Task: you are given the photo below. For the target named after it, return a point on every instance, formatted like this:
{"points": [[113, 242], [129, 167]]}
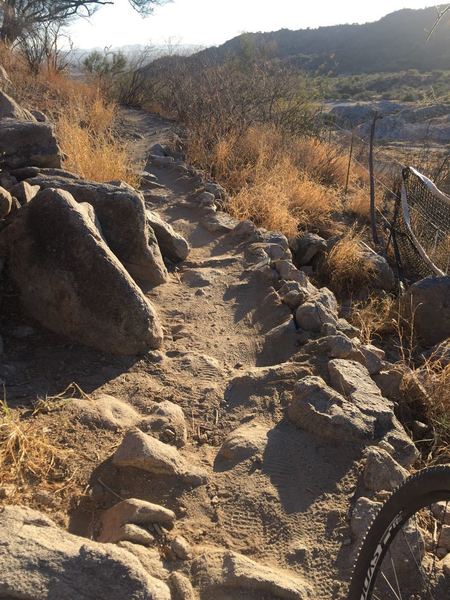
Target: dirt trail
{"points": [[286, 507], [290, 508]]}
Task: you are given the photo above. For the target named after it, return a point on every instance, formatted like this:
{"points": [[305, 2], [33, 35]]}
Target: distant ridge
{"points": [[397, 42]]}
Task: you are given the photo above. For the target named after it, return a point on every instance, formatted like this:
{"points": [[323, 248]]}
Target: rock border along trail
{"points": [[246, 493]]}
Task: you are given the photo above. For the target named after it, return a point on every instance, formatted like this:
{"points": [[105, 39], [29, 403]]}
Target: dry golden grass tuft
{"points": [[27, 456], [347, 268], [84, 119], [376, 317]]}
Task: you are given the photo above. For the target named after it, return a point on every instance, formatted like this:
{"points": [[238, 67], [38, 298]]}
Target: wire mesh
{"points": [[422, 226]]}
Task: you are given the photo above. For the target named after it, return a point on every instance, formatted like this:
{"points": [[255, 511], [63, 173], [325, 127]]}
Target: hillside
{"points": [[396, 42]]}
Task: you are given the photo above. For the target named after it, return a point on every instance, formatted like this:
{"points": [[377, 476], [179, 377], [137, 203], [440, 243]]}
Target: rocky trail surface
{"points": [[248, 491]]}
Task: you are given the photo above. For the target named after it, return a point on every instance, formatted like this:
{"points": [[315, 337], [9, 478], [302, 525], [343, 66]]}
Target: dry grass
{"points": [[84, 120], [279, 183], [376, 317], [347, 268], [27, 455]]}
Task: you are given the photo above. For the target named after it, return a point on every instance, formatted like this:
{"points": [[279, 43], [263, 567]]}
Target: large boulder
{"points": [[28, 143], [121, 213], [428, 303], [10, 109], [71, 282], [40, 561]]}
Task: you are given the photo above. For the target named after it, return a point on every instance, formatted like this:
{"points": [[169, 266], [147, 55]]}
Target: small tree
{"points": [[19, 16], [42, 45]]}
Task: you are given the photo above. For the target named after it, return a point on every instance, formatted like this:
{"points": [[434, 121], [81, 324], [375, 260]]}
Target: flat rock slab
{"points": [[353, 380], [218, 569], [40, 561], [144, 452], [319, 409], [219, 222], [105, 412]]}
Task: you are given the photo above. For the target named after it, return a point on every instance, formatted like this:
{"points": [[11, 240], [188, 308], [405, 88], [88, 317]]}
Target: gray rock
{"points": [[383, 275], [219, 222], [172, 244], [28, 143], [293, 294], [121, 212], [5, 203], [306, 247], [43, 562], [353, 380], [149, 454], [363, 513], [389, 381], [132, 512], [166, 421], [71, 282], [429, 301], [312, 315], [10, 109], [219, 569], [373, 358], [317, 408], [382, 472], [245, 230], [405, 452], [24, 192]]}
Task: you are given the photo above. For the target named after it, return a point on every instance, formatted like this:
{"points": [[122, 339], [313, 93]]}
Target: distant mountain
{"points": [[397, 42]]}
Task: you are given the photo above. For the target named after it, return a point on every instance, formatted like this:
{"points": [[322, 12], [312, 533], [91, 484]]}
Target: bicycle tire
{"points": [[419, 491]]}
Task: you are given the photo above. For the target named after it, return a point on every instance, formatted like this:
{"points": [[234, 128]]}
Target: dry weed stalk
{"points": [[376, 317]]}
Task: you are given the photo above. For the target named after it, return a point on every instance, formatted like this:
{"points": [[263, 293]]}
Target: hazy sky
{"points": [[211, 22]]}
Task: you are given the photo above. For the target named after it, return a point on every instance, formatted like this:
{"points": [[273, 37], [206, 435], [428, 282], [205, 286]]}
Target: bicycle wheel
{"points": [[399, 557]]}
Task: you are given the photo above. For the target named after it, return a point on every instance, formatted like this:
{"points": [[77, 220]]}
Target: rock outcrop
{"points": [[42, 562], [71, 282], [121, 213], [427, 302]]}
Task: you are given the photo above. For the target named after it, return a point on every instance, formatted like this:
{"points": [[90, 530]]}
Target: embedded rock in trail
{"points": [[382, 472], [181, 587], [149, 454], [5, 203], [317, 408], [363, 514], [244, 442], [132, 512], [26, 143], [218, 570], [353, 380], [405, 452], [9, 108], [429, 301], [172, 244], [260, 386], [72, 283], [166, 421], [40, 561], [105, 412], [219, 222], [121, 213]]}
